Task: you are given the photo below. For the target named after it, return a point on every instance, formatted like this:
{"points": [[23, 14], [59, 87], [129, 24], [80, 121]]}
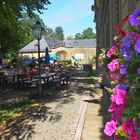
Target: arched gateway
{"points": [[62, 55]]}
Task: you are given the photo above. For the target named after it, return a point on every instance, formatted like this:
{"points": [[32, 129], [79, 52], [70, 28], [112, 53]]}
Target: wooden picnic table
{"points": [[46, 76], [64, 76], [8, 78]]}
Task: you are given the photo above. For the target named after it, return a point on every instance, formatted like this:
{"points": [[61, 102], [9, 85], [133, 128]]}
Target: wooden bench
{"points": [[31, 82], [64, 80], [56, 83]]}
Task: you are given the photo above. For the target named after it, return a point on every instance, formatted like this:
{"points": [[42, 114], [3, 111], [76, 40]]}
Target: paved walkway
{"points": [[61, 116], [96, 115]]}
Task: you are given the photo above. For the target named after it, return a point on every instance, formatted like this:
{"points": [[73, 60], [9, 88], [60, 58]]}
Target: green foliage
{"points": [[78, 36], [138, 132], [120, 132], [133, 80], [65, 62], [91, 80], [12, 57], [132, 69], [15, 29], [90, 73], [18, 35], [133, 98], [93, 60], [91, 77], [8, 111], [86, 34], [59, 33], [19, 6], [49, 31]]}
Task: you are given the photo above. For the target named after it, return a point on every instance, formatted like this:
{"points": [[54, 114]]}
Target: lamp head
{"points": [[37, 29]]}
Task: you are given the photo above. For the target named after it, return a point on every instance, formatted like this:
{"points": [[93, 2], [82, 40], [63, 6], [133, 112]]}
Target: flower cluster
{"points": [[101, 58], [124, 69]]}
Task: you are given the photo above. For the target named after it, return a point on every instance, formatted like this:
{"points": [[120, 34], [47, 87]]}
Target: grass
{"points": [[8, 111], [91, 77]]}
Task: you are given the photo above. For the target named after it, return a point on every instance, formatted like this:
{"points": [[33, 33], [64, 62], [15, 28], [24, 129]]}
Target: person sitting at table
{"points": [[33, 63], [31, 72]]}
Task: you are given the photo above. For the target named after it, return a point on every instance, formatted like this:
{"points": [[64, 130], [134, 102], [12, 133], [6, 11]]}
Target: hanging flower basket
{"points": [[122, 65]]}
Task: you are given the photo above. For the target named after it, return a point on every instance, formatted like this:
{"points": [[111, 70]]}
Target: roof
{"points": [[33, 46], [45, 41], [50, 42], [53, 42], [82, 43]]}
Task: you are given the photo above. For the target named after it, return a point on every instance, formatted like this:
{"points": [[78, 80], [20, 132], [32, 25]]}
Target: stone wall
{"points": [[86, 53], [107, 14]]}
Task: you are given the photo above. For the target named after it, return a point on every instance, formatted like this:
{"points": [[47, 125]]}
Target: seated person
{"points": [[33, 63]]}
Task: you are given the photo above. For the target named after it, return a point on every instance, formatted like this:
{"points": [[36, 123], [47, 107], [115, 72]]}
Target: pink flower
{"points": [[127, 127], [116, 38], [110, 128], [113, 65], [111, 51], [137, 36], [118, 96], [116, 138], [114, 108], [134, 136]]}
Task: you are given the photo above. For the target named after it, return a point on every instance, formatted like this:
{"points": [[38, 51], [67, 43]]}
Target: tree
{"points": [[18, 6], [59, 33], [78, 36], [18, 34], [13, 29], [49, 31], [88, 34], [70, 37]]}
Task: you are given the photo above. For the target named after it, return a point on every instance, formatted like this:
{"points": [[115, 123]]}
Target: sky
{"points": [[72, 15]]}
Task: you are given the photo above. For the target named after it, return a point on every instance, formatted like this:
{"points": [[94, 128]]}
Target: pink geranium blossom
{"points": [[116, 138], [116, 38], [127, 127], [114, 108], [111, 51], [110, 128], [113, 65], [118, 96], [134, 136]]}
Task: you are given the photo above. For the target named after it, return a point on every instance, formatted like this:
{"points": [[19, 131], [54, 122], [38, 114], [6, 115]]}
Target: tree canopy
{"points": [[59, 33], [49, 31], [86, 34], [14, 25], [78, 36], [18, 6]]}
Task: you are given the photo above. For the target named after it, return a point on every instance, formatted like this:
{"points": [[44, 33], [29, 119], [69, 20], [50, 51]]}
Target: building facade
{"points": [[107, 14], [84, 49]]}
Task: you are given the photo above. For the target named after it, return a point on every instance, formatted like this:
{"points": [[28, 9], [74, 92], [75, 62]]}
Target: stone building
{"points": [[107, 14], [84, 49]]}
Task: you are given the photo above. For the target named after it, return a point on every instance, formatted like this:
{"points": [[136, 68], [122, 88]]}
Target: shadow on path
{"points": [[22, 127]]}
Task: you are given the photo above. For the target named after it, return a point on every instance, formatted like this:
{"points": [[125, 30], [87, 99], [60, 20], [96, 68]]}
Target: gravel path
{"points": [[58, 118]]}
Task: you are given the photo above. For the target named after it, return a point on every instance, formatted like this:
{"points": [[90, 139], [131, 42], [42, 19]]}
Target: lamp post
{"points": [[37, 29]]}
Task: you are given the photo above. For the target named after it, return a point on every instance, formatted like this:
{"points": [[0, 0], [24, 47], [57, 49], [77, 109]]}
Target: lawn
{"points": [[11, 110]]}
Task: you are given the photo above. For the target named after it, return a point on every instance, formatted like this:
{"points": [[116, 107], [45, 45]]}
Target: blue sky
{"points": [[72, 15]]}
